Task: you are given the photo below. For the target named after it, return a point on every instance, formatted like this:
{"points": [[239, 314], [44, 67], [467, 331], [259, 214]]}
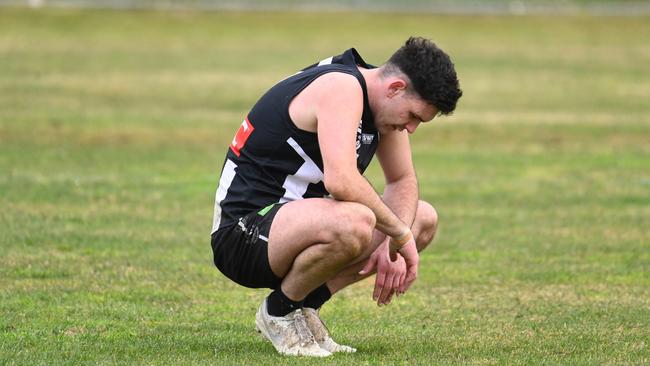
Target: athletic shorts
{"points": [[241, 250]]}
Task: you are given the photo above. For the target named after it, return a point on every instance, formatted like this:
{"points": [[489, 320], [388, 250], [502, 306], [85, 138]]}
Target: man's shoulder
{"points": [[337, 80], [329, 94], [336, 91]]}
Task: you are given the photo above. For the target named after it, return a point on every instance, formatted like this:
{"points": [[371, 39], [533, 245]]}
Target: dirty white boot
{"points": [[289, 334], [322, 334]]}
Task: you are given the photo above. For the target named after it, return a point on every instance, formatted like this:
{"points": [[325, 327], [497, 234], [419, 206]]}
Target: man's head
{"points": [[420, 83], [430, 71]]}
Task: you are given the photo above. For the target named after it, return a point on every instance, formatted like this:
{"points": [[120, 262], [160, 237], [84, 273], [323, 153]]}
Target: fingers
{"points": [[392, 281], [394, 289], [390, 296], [392, 274], [379, 285], [386, 290], [390, 288], [411, 275], [401, 288]]}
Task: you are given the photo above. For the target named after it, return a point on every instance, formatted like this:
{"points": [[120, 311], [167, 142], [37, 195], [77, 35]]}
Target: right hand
{"points": [[410, 253], [391, 271]]}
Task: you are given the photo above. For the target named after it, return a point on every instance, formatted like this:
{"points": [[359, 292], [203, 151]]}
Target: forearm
{"points": [[402, 198]]}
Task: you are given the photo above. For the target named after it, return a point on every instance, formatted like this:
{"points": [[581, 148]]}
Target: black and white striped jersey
{"points": [[271, 161]]}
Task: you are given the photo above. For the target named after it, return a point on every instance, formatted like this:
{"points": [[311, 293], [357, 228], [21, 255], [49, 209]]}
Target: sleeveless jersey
{"points": [[270, 160]]}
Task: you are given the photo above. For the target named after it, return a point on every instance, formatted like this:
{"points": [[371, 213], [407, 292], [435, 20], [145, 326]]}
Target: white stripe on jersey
{"points": [[326, 61], [227, 177], [296, 185]]}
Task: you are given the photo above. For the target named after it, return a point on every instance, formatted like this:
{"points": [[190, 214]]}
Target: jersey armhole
{"points": [[290, 122]]}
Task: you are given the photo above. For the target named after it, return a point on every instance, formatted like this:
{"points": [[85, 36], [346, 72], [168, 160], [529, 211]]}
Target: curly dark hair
{"points": [[431, 72]]}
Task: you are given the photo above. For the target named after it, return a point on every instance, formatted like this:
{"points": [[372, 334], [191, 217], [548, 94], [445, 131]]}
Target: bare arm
{"points": [[401, 191], [401, 195], [338, 111]]}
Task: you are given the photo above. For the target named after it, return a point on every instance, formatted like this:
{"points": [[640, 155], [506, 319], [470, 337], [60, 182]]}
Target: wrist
{"points": [[398, 242]]}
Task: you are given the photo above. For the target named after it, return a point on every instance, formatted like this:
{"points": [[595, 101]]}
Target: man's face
{"points": [[403, 111]]}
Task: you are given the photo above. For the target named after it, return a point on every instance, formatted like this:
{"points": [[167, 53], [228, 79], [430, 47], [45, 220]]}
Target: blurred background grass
{"points": [[480, 7], [113, 126]]}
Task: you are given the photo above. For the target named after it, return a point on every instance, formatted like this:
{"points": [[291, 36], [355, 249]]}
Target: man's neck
{"points": [[373, 84]]}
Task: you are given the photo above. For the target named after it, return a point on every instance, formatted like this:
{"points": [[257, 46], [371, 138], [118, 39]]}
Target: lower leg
{"points": [[312, 268], [318, 297], [309, 271]]}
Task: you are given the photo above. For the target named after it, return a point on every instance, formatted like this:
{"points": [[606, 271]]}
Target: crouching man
{"points": [[294, 213]]}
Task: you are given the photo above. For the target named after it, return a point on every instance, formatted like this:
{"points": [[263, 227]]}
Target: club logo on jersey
{"points": [[359, 133], [367, 138], [242, 135]]}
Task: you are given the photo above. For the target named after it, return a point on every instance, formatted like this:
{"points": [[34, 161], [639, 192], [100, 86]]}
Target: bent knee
{"points": [[353, 228], [426, 224], [428, 215]]}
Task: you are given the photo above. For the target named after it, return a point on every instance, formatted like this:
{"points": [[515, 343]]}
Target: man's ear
{"points": [[395, 86]]}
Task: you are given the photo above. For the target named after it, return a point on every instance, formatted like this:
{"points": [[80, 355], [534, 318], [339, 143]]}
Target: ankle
{"points": [[278, 304], [318, 297]]}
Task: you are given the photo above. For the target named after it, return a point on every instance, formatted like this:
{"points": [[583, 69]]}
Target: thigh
{"points": [[301, 224]]}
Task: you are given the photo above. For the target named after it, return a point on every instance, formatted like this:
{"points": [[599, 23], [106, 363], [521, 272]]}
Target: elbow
{"points": [[404, 180], [337, 187]]}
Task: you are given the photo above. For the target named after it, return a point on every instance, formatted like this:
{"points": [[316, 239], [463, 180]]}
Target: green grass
{"points": [[113, 127]]}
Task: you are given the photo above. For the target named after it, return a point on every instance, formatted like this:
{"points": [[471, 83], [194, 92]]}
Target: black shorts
{"points": [[241, 250]]}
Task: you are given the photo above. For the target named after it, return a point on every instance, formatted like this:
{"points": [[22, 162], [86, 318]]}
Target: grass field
{"points": [[113, 127]]}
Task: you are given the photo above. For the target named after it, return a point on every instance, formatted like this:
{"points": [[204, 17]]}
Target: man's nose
{"points": [[412, 126]]}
